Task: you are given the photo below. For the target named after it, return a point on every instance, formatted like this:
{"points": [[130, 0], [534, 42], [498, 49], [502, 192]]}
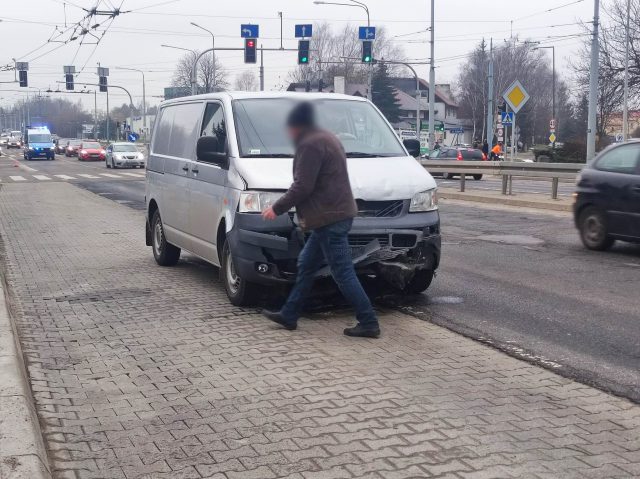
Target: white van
{"points": [[217, 160]]}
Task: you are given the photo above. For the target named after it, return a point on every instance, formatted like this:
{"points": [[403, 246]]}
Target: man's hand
{"points": [[269, 214]]}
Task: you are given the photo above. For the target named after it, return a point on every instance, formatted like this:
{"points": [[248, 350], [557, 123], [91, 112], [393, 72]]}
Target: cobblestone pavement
{"points": [[147, 372]]}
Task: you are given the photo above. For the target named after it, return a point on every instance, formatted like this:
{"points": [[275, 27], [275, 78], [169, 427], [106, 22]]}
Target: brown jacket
{"points": [[320, 191]]}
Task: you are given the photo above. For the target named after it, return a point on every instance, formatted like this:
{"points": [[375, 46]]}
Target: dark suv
{"points": [[607, 198]]}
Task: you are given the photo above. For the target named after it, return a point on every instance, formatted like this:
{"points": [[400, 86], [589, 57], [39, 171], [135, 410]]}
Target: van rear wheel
{"points": [[239, 291], [420, 282], [165, 253]]}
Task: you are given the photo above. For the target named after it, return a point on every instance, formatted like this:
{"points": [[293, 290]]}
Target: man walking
{"points": [[324, 203]]}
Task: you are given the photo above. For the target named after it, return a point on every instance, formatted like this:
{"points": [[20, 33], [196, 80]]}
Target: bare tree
{"points": [[246, 81], [205, 78]]}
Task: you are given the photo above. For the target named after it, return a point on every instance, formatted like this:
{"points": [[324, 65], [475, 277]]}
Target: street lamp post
{"points": [[625, 101], [194, 87], [357, 4], [213, 55], [144, 99]]}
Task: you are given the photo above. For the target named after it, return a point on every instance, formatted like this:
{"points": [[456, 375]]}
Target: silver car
{"points": [[124, 155]]}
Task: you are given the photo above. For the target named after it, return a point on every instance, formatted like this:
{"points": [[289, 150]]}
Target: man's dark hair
{"points": [[302, 115]]}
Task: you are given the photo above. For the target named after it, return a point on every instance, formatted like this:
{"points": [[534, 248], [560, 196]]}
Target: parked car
{"points": [[607, 199], [456, 154], [72, 147], [217, 160], [125, 155], [91, 150]]}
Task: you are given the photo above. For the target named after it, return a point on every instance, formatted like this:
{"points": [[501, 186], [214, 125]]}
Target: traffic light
{"points": [[250, 50], [102, 81], [68, 79], [303, 52], [22, 75], [367, 51]]}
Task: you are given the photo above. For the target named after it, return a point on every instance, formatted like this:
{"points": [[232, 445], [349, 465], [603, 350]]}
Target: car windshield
{"points": [[40, 138], [124, 148], [75, 143], [261, 127], [94, 146]]}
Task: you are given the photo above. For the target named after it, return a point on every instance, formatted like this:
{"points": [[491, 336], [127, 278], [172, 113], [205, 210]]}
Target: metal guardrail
{"points": [[506, 169]]}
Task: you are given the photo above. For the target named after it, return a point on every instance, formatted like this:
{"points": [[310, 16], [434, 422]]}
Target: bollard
{"points": [[554, 188], [504, 184], [510, 185], [462, 182]]}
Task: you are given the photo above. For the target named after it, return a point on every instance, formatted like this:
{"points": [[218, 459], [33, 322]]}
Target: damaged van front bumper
{"points": [[394, 249]]}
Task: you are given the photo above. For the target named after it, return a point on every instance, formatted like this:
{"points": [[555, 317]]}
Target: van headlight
{"points": [[424, 201], [257, 201]]}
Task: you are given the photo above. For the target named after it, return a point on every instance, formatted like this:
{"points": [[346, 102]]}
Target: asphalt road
{"points": [[514, 278]]}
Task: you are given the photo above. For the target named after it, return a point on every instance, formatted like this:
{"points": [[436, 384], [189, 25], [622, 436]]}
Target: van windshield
{"points": [[261, 127], [39, 138]]}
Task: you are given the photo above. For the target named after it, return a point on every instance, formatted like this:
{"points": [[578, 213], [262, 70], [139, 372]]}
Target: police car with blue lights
{"points": [[39, 144]]}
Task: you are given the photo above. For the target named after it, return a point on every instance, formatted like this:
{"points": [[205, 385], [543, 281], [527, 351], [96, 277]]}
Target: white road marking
{"points": [[110, 175], [137, 175], [41, 177], [84, 175], [64, 177], [18, 178], [26, 168]]}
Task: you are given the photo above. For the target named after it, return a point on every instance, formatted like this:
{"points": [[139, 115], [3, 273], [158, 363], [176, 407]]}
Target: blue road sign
{"points": [[457, 130], [249, 31], [133, 137], [304, 31], [507, 118], [367, 33]]}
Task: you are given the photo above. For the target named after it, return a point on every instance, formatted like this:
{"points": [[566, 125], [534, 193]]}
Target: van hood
{"points": [[392, 178]]}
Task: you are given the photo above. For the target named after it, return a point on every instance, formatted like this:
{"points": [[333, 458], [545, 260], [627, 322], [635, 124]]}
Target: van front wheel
{"points": [[165, 253], [239, 291]]}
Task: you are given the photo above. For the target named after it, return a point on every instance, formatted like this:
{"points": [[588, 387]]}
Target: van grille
{"points": [[379, 209], [363, 240]]}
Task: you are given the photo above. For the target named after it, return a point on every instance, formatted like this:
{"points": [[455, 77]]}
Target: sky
{"points": [[134, 39]]}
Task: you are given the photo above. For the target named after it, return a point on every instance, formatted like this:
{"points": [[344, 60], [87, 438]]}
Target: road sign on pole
{"points": [[516, 96], [249, 31], [552, 124], [552, 138], [304, 31], [506, 117], [367, 33]]}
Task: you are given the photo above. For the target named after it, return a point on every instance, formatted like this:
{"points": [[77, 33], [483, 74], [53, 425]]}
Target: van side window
{"points": [[184, 131], [214, 125], [162, 131]]}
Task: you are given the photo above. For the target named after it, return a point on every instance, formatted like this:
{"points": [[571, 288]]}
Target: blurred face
{"points": [[295, 132]]}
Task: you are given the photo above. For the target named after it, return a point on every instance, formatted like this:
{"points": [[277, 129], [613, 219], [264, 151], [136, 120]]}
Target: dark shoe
{"points": [[363, 332], [276, 317]]}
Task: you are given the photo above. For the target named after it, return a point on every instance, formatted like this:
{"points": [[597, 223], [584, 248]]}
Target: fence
{"points": [[508, 170]]}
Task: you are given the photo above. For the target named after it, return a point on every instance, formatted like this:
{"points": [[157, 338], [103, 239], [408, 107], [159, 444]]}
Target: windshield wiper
{"points": [[269, 155], [361, 154]]}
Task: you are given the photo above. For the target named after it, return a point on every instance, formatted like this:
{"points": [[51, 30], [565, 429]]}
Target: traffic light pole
{"points": [[261, 69], [432, 81]]}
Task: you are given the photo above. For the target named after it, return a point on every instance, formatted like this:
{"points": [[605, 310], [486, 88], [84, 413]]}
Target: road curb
{"points": [[22, 451], [555, 205]]}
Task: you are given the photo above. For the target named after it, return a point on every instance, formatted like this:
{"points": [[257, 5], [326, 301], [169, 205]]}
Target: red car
{"points": [[91, 150]]}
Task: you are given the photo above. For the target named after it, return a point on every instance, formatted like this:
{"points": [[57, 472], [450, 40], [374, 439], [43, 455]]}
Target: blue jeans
{"points": [[329, 244]]}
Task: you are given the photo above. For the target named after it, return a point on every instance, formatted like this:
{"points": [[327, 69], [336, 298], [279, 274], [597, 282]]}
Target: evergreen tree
{"points": [[383, 93]]}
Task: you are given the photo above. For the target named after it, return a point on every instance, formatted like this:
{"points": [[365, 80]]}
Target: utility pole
{"points": [[432, 83], [95, 114], [490, 96], [593, 84], [261, 70], [625, 101]]}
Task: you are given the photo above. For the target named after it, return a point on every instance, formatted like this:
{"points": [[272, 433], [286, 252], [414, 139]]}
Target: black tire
{"points": [[106, 163], [477, 177], [594, 230], [165, 253], [113, 164], [447, 176], [239, 291], [420, 282]]}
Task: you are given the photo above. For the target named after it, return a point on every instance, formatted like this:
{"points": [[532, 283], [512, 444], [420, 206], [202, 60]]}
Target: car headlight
{"points": [[140, 156], [102, 152], [257, 201], [83, 152], [31, 147], [424, 201]]}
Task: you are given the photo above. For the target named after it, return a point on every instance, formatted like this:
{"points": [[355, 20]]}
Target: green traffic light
{"points": [[304, 59], [367, 59]]}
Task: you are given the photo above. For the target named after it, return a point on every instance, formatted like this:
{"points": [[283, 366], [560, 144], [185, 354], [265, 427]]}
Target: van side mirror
{"points": [[412, 146], [208, 151]]}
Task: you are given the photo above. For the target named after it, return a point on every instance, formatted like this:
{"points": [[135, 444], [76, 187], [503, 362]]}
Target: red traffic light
{"points": [[251, 43]]}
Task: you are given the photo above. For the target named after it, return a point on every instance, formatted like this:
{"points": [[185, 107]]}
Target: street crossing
{"points": [[70, 177]]}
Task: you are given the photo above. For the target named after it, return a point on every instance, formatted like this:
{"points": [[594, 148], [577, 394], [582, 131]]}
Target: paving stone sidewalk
{"points": [[140, 371]]}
